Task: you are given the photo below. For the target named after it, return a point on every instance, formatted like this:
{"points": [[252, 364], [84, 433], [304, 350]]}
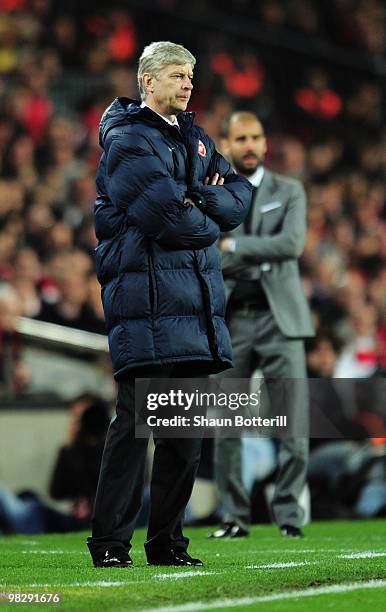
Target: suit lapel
{"points": [[262, 197], [265, 194]]}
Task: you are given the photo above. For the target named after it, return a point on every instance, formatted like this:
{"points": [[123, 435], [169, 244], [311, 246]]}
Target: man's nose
{"points": [[188, 84]]}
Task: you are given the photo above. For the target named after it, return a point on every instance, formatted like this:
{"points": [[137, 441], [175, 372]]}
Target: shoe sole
{"points": [[238, 537], [175, 564]]}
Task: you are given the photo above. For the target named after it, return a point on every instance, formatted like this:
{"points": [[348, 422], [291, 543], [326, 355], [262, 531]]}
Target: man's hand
{"points": [[227, 245], [215, 180], [189, 201]]}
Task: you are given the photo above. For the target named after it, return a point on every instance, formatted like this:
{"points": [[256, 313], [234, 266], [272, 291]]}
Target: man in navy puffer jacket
{"points": [[164, 196]]}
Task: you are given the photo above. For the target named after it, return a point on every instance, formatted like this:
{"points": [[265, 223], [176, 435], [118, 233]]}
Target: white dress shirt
{"points": [[255, 179], [175, 122]]}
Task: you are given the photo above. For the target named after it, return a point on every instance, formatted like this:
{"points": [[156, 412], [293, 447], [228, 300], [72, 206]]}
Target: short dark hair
{"points": [[324, 335], [243, 115]]}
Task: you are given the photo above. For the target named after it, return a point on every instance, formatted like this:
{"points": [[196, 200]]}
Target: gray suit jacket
{"points": [[271, 252]]}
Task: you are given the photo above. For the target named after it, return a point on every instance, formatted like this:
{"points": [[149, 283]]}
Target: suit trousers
{"points": [[120, 487], [258, 343]]}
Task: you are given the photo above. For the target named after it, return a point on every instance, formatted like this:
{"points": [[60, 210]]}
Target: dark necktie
{"points": [[248, 218]]}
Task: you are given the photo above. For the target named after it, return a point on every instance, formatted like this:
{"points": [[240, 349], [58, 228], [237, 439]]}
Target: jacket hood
{"points": [[124, 110], [115, 114]]}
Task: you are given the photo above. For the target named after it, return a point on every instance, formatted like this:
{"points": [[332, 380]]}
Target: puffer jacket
{"points": [[157, 260]]}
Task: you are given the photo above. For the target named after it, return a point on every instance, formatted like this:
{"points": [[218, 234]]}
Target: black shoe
{"points": [[229, 530], [115, 558], [172, 557], [114, 555], [288, 531]]}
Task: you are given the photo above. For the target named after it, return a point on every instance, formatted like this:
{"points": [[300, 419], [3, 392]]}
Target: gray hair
{"points": [[159, 54]]}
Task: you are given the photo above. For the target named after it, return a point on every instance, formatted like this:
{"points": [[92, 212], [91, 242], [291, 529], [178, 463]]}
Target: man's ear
{"points": [[224, 146], [148, 82], [265, 145]]}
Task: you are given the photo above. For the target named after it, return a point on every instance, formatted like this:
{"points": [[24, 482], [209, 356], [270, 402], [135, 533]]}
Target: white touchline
{"points": [[248, 601], [53, 552], [280, 565], [363, 555], [294, 551], [44, 552], [176, 575], [100, 583], [104, 583]]}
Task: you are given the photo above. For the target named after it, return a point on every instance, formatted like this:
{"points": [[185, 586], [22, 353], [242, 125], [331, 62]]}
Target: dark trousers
{"points": [[121, 479]]}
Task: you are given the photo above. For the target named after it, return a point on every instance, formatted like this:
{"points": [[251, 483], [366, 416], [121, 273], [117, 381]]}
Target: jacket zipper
{"points": [[153, 294], [210, 329]]}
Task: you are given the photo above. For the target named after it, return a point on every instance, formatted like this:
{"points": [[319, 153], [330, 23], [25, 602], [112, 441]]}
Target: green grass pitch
{"points": [[338, 566]]}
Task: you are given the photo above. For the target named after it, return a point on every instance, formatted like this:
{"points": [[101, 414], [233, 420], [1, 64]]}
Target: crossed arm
{"points": [[288, 243], [162, 210]]}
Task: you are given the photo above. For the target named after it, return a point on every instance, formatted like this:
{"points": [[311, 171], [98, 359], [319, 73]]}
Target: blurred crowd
{"points": [[61, 63], [74, 476]]}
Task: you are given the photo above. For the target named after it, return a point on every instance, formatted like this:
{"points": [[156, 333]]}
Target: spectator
{"points": [[317, 100], [71, 310], [14, 373], [359, 357], [74, 477], [27, 275]]}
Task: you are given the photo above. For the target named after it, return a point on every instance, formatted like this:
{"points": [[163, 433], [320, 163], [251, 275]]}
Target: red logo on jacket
{"points": [[201, 148]]}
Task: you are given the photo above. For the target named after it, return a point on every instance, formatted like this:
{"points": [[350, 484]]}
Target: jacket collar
{"points": [[125, 110]]}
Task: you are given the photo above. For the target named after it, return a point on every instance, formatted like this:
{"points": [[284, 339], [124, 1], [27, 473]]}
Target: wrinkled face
{"points": [[169, 92], [245, 145]]}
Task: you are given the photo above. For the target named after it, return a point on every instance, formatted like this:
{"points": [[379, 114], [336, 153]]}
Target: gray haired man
{"points": [[164, 196]]}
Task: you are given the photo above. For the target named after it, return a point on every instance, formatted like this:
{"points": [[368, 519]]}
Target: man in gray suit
{"points": [[268, 319]]}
